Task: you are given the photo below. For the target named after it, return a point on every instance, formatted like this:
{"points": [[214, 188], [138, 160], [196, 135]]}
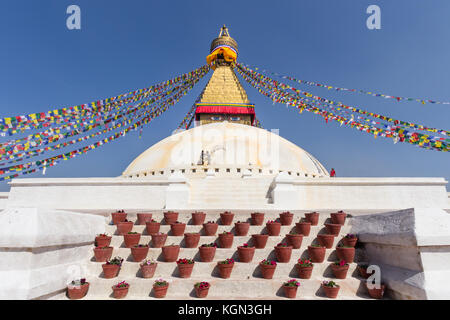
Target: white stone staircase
{"points": [[245, 281]]}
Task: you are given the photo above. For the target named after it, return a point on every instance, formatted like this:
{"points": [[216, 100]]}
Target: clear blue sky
{"points": [[125, 45]]}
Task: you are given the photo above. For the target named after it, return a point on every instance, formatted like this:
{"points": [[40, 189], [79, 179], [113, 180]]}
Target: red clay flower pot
{"points": [[207, 253], [159, 239], [333, 228], [340, 272], [103, 254], [331, 292], [241, 228], [120, 293], [124, 227], [210, 228], [77, 292], [316, 254], [170, 253], [102, 241], [286, 218], [338, 217], [267, 270], [326, 240], [118, 217], [363, 272], [144, 218], [152, 227], [290, 292], [148, 270], [376, 293], [177, 229], [160, 291], [260, 240], [257, 218], [347, 254], [198, 218], [191, 240], [110, 270], [185, 269], [294, 240], [246, 254], [303, 227], [350, 242], [226, 218], [273, 228], [226, 240], [312, 217], [201, 293], [225, 270], [170, 217], [304, 272], [139, 253], [131, 239], [283, 254]]}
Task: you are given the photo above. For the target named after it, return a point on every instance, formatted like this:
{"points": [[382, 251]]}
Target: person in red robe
{"points": [[332, 173]]}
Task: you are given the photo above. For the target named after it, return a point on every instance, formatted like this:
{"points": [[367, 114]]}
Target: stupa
{"points": [[224, 163]]}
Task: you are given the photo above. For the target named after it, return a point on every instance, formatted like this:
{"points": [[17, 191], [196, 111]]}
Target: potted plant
{"points": [[374, 291], [139, 252], [148, 268], [201, 289], [362, 269], [241, 228], [198, 218], [330, 288], [131, 239], [123, 227], [207, 251], [273, 228], [111, 267], [77, 289], [177, 228], [225, 268], [118, 216], [303, 227], [290, 288], [338, 217], [345, 253], [294, 239], [283, 252], [316, 253], [333, 228], [170, 252], [185, 267], [286, 218], [102, 254], [350, 240], [246, 253], [120, 290], [267, 268], [226, 218], [144, 218], [304, 268], [340, 269], [160, 287], [158, 239], [257, 218], [326, 240], [260, 240], [226, 239], [191, 239], [152, 226], [102, 240], [210, 228], [170, 217], [312, 217]]}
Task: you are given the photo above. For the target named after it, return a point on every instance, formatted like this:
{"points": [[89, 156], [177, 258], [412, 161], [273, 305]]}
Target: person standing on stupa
{"points": [[332, 173]]}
